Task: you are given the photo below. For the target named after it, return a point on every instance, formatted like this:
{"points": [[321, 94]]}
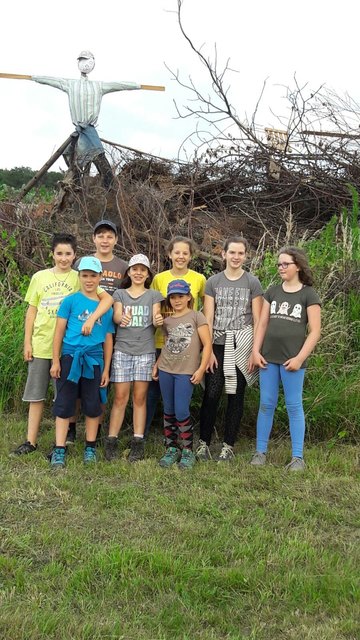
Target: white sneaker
{"points": [[258, 459], [203, 452], [226, 454], [296, 464]]}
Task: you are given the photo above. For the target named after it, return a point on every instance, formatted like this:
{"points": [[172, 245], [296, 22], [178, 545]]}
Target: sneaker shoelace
{"points": [[226, 451], [90, 454], [202, 449], [58, 456]]}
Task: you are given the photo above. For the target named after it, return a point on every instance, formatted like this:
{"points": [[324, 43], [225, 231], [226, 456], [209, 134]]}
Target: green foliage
{"points": [[12, 280], [13, 369], [18, 177]]}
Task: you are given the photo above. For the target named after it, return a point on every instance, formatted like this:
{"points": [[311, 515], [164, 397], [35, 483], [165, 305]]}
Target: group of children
{"points": [[110, 321]]}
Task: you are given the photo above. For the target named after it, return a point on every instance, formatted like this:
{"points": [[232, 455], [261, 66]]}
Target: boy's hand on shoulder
{"points": [[87, 327], [55, 370], [28, 356]]}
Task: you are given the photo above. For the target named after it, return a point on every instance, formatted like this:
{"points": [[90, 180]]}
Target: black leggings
{"points": [[214, 383]]}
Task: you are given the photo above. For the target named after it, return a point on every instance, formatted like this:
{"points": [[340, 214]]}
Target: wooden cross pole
{"points": [[17, 76], [47, 165], [14, 76]]}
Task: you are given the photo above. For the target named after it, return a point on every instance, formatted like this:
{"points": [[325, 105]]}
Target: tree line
{"points": [[19, 176]]}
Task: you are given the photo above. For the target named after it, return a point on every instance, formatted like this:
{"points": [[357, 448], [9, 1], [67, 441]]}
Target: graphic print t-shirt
{"points": [[181, 351], [160, 283], [286, 331], [113, 273], [233, 301], [46, 291], [138, 337], [76, 309]]}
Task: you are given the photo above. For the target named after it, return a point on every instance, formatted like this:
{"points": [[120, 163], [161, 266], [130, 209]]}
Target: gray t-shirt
{"points": [[113, 273], [138, 337], [233, 301], [286, 331]]}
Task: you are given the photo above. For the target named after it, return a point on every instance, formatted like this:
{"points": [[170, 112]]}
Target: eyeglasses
{"points": [[284, 265]]}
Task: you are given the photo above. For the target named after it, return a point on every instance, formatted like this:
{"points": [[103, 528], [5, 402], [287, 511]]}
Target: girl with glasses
{"points": [[287, 333]]}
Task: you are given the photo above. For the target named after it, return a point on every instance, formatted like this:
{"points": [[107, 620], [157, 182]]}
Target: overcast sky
{"points": [[133, 40]]}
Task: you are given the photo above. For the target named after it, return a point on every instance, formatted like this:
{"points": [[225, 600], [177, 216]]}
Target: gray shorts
{"points": [[38, 379], [126, 368]]}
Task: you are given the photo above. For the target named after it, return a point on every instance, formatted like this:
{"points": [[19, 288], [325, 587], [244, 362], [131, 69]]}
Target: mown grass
{"points": [[223, 552]]}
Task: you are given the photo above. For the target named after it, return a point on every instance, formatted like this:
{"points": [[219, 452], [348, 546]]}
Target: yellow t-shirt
{"points": [[46, 291], [160, 283]]}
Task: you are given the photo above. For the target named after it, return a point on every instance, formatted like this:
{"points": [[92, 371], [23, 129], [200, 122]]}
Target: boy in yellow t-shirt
{"points": [[47, 289]]}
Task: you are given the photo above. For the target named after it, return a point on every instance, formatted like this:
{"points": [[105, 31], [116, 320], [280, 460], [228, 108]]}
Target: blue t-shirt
{"points": [[76, 309]]}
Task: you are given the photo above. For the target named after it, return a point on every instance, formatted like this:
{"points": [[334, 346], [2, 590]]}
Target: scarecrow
{"points": [[85, 98]]}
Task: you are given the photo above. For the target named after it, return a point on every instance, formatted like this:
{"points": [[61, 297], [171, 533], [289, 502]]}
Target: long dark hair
{"points": [[300, 258], [126, 281]]}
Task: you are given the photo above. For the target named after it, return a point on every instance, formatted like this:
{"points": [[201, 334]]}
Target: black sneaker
{"points": [[137, 450], [26, 447], [71, 436], [110, 448], [99, 436]]}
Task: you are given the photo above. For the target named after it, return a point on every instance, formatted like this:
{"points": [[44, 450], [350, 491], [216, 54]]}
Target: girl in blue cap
{"points": [[178, 369]]}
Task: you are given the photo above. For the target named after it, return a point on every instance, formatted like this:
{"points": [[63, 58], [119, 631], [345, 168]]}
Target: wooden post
{"points": [[14, 76], [47, 165], [151, 87]]}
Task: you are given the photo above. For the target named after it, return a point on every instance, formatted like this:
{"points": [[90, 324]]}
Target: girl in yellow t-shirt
{"points": [[180, 251]]}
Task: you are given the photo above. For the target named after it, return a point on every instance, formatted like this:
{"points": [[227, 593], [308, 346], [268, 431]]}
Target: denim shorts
{"points": [[87, 389], [127, 368], [38, 380]]}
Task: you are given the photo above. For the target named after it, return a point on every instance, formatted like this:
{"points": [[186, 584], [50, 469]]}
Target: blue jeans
{"points": [[292, 382], [176, 391]]}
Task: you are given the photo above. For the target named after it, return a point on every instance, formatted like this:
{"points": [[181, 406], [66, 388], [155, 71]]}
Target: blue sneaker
{"points": [[172, 456], [89, 455], [58, 458], [187, 459]]}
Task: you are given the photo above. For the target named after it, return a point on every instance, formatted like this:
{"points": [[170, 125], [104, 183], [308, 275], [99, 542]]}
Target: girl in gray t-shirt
{"points": [[136, 312], [233, 300]]}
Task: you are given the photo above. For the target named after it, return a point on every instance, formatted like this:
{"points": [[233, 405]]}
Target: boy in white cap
{"points": [[81, 363]]}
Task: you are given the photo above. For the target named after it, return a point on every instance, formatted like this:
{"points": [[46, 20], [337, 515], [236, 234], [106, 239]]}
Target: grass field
{"points": [[137, 552]]}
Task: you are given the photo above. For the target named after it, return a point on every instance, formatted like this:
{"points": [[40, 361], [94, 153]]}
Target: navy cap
{"points": [[106, 223], [178, 286]]}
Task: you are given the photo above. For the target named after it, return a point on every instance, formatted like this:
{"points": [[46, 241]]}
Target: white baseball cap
{"points": [[139, 259], [86, 55]]}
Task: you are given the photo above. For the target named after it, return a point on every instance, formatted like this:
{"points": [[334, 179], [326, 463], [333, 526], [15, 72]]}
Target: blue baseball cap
{"points": [[90, 263], [178, 286]]}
